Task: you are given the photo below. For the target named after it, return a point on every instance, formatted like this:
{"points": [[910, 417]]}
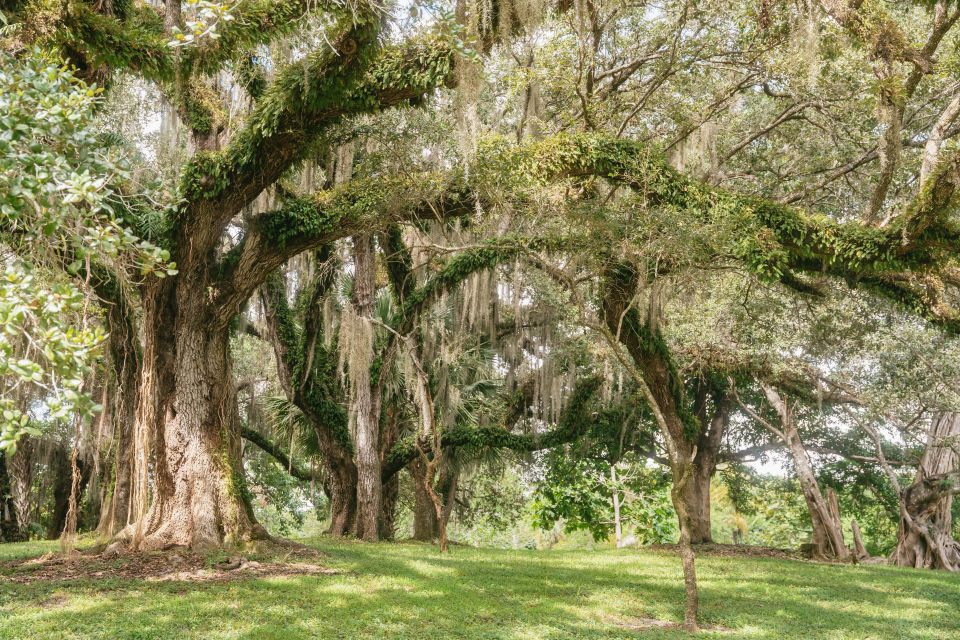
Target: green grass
{"points": [[410, 591]]}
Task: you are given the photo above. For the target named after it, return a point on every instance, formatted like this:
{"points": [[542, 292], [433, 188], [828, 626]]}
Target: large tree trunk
{"points": [[341, 488], [696, 497], [366, 401], [924, 538], [713, 426], [188, 409]]}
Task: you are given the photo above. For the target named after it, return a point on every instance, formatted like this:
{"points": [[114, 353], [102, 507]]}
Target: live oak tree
{"points": [[615, 192]]}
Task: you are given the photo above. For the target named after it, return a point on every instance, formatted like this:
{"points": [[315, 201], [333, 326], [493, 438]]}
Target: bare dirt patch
{"points": [[645, 624], [734, 551], [162, 566]]}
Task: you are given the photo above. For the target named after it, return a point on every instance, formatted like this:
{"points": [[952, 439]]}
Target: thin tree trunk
{"points": [[389, 496], [449, 496], [828, 535], [648, 362], [682, 473], [20, 470], [617, 527], [827, 527]]}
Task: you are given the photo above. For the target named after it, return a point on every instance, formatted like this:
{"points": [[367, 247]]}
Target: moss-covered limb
{"points": [[283, 330], [921, 293], [303, 101], [869, 22], [217, 185], [277, 453], [366, 205], [255, 22], [137, 43], [649, 351], [399, 263], [772, 240], [460, 267], [936, 202], [307, 370], [576, 420]]}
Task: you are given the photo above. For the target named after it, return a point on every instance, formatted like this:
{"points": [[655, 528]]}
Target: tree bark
{"points": [[366, 401], [425, 523], [827, 528], [924, 537], [188, 411], [126, 361], [8, 519], [20, 470], [341, 489]]}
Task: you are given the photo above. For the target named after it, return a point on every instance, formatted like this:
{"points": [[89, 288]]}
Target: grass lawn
{"points": [[406, 590]]}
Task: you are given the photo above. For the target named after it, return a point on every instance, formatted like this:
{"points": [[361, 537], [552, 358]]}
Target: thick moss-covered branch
{"points": [[304, 223], [772, 240], [648, 348], [306, 368], [255, 22], [136, 43], [347, 79], [269, 447], [575, 421]]}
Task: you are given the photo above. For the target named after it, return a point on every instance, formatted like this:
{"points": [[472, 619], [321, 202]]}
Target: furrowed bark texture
{"points": [[924, 537]]}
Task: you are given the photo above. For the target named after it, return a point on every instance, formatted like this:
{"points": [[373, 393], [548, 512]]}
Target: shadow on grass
{"points": [[410, 591]]}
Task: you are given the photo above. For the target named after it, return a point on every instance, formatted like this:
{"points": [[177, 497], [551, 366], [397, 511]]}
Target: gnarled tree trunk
{"points": [[188, 410], [924, 537]]}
